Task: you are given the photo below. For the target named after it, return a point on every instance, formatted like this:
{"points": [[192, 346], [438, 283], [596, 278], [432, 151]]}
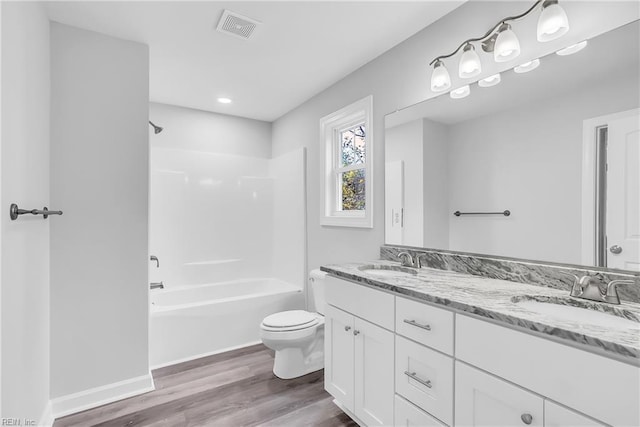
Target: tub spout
{"points": [[157, 285]]}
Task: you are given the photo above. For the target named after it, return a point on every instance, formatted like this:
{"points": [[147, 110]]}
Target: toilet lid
{"points": [[292, 318]]}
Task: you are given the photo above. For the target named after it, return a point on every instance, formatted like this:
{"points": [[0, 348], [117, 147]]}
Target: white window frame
{"points": [[331, 127]]}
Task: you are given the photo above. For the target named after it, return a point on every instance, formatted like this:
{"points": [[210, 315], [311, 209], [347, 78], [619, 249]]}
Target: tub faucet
{"points": [[155, 258], [156, 285]]}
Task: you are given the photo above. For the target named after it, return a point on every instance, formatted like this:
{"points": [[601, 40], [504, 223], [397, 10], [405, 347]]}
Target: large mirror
{"points": [[543, 166]]}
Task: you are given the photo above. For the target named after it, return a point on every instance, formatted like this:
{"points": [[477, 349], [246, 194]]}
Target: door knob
{"points": [[347, 328], [615, 249], [526, 418]]}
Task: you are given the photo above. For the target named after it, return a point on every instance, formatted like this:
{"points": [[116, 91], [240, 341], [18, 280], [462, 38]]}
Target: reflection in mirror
{"points": [[558, 146]]}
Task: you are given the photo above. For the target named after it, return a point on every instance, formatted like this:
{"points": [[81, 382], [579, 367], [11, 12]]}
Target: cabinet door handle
{"points": [[413, 376], [356, 332], [416, 324], [526, 418], [347, 328]]}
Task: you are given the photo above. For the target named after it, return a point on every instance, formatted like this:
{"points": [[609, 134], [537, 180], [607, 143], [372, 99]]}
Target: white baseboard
{"points": [[201, 355], [47, 419], [98, 396]]}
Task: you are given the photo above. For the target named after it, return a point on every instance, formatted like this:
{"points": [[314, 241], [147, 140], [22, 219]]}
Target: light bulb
{"points": [[461, 92], [224, 100], [570, 50], [490, 81], [527, 66], [440, 79], [469, 63], [553, 22], [507, 46]]}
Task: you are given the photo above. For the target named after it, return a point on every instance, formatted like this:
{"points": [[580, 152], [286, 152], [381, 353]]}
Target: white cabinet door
{"points": [[339, 356], [373, 374], [559, 416], [484, 400]]}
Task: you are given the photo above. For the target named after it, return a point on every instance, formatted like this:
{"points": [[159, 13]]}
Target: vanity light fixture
{"points": [[553, 22], [440, 79], [501, 41], [461, 92], [527, 66], [507, 46], [470, 65], [224, 100], [490, 81], [570, 50]]}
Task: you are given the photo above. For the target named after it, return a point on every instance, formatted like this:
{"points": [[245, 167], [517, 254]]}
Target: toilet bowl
{"points": [[297, 336]]}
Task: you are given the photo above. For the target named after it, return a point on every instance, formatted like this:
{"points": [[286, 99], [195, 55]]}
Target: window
{"points": [[347, 188]]}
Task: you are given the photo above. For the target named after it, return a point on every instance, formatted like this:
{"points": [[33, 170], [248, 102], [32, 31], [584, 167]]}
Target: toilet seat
{"points": [[291, 320]]}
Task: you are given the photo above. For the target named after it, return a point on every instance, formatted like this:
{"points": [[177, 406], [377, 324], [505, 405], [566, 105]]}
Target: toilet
{"points": [[297, 336]]}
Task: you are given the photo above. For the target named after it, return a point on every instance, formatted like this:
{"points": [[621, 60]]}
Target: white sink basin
{"points": [[580, 315], [387, 271]]}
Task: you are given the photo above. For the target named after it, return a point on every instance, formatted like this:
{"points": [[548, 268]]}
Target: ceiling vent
{"points": [[236, 25]]}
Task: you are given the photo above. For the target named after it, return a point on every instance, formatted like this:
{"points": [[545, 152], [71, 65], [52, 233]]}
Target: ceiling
{"points": [[300, 48]]}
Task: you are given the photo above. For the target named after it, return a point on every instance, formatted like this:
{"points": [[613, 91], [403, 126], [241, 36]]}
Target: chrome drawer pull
{"points": [[419, 325], [413, 376], [347, 328], [526, 418]]}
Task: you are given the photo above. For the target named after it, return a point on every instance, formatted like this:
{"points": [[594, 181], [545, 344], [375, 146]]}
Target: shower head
{"points": [[156, 129]]}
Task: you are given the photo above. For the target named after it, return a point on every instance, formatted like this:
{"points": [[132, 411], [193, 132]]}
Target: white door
{"points": [[623, 193], [374, 374], [484, 400], [559, 416], [339, 356]]}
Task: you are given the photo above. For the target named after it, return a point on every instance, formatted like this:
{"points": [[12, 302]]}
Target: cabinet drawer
{"points": [[409, 415], [370, 304], [425, 378], [567, 375], [425, 324], [558, 416]]}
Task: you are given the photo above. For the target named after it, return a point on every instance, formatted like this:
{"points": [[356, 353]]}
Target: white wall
{"points": [[397, 79], [510, 161], [25, 181], [99, 178], [436, 187], [196, 130]]}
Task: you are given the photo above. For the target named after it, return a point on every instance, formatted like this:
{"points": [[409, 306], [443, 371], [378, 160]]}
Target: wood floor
{"points": [[232, 389]]}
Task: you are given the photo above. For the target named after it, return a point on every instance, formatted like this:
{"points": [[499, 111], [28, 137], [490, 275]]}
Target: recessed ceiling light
{"points": [[527, 66], [572, 49], [489, 81], [224, 100]]}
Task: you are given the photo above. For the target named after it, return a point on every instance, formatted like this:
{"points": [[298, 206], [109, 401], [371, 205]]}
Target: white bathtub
{"points": [[195, 321]]}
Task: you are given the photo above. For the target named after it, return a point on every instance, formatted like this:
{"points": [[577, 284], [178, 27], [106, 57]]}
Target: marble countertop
{"points": [[500, 300]]}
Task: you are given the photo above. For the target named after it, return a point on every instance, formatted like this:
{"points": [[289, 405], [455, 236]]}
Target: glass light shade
{"points": [[461, 92], [440, 79], [490, 81], [507, 46], [553, 22], [224, 100], [527, 66], [470, 65], [570, 50]]}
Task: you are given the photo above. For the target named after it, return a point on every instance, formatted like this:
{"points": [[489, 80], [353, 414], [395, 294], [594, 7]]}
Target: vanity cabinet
{"points": [[359, 355], [390, 360]]}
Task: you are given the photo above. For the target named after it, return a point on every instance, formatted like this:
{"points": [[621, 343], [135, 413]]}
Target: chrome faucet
{"points": [[418, 259], [156, 285], [586, 287], [406, 259]]}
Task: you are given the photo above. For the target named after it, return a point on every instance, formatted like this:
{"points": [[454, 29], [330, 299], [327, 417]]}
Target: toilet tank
{"points": [[317, 284]]}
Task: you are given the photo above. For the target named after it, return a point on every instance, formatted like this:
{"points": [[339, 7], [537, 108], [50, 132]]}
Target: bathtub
{"points": [[193, 321]]}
